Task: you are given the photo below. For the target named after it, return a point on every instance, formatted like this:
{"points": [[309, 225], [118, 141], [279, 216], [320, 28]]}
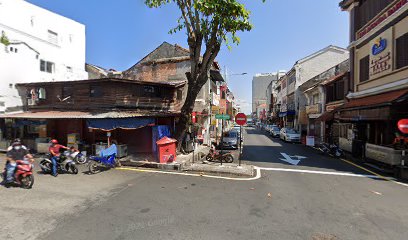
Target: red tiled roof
{"points": [[335, 78], [379, 99]]}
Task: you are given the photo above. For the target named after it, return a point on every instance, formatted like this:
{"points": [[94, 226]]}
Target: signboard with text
{"points": [[381, 54], [222, 116]]}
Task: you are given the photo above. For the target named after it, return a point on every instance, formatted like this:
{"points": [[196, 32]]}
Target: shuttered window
{"points": [[364, 68], [402, 51], [340, 90]]}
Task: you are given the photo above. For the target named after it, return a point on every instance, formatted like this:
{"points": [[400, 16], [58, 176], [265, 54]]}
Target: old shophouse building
{"points": [[379, 75]]}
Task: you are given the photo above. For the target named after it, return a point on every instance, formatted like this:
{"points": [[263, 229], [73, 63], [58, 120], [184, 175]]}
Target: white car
{"points": [[289, 135], [230, 139], [275, 131]]}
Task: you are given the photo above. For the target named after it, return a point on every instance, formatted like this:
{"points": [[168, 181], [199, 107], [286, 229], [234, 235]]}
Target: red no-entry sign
{"points": [[240, 119], [403, 125]]}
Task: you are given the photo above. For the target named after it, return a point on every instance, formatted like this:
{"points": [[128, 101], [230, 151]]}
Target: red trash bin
{"points": [[166, 148]]}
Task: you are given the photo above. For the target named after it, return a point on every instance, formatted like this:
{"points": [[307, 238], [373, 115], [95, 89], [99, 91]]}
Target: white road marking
{"points": [[289, 159], [318, 172], [257, 173]]}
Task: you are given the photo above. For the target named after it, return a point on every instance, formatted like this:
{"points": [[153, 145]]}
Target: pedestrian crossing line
{"points": [[376, 174], [257, 175], [319, 172]]}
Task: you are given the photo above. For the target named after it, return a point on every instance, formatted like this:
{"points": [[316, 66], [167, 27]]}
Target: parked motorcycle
{"points": [[214, 155], [65, 163], [77, 156], [331, 149], [23, 175], [107, 160]]}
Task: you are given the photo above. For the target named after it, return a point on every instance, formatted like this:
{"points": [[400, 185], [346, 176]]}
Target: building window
{"points": [[46, 66], [151, 91], [179, 95], [339, 88], [67, 91], [315, 99], [42, 93], [52, 37], [402, 51], [364, 68], [95, 91], [292, 78]]}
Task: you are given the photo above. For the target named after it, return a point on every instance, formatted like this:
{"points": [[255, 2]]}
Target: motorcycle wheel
{"points": [[228, 158], [27, 182], [81, 160], [93, 167], [74, 169], [46, 167]]}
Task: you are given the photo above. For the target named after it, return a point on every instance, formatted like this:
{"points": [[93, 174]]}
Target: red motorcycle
{"points": [[23, 175], [215, 155]]}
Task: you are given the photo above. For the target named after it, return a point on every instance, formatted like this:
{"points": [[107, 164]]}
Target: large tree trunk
{"points": [[194, 87]]}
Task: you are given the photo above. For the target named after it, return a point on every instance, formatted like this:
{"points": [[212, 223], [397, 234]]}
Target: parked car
{"points": [[237, 128], [275, 131], [231, 139], [289, 135]]}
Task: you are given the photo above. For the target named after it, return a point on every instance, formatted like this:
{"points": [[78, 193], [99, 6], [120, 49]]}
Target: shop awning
{"points": [[108, 124], [376, 100], [326, 117]]}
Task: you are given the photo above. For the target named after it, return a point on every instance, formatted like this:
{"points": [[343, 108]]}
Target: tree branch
{"points": [[190, 28]]}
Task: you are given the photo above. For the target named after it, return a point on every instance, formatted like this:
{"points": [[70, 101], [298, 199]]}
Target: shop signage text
{"points": [[312, 109], [375, 22], [222, 116], [381, 55]]}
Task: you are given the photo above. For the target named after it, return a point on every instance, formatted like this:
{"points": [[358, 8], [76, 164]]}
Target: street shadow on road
{"points": [[265, 151]]}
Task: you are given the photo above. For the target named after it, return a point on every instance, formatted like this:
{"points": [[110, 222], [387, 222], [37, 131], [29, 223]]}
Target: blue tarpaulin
{"points": [[108, 124], [158, 133]]}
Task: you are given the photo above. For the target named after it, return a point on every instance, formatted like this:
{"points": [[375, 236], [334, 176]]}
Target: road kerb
{"points": [[257, 174]]}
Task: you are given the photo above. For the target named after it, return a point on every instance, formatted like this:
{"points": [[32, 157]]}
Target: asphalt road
{"points": [[320, 198]]}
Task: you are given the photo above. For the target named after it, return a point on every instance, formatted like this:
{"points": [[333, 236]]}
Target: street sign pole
{"points": [[241, 120], [222, 139], [240, 145]]}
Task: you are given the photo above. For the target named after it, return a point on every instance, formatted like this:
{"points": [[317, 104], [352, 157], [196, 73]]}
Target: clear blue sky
{"points": [[121, 32]]}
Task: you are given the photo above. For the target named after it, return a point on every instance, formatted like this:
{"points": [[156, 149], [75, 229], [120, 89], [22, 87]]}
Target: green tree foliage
{"points": [[4, 39], [208, 24]]}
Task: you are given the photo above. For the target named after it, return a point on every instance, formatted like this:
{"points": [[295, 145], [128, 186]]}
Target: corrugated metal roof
{"points": [[173, 83], [85, 115]]}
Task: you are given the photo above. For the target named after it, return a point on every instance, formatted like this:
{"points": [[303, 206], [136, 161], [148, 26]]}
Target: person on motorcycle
{"points": [[54, 150], [17, 151]]}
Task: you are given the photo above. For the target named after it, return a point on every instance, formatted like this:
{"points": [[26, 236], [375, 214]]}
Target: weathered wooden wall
{"points": [[114, 95]]}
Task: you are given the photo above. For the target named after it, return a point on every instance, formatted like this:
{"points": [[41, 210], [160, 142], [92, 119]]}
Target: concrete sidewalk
{"points": [[196, 162]]}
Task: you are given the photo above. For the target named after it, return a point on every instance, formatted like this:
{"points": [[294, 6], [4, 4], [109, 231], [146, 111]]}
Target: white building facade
{"points": [[302, 71], [37, 45]]}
